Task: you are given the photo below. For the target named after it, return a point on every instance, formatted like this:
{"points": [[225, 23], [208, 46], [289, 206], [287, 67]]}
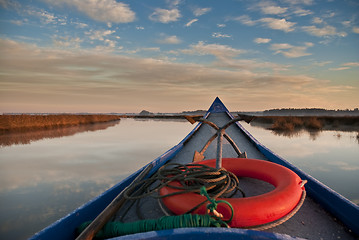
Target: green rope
{"points": [[214, 203], [115, 229]]}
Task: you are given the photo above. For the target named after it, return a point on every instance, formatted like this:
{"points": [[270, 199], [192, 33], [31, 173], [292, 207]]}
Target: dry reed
{"points": [[34, 122]]}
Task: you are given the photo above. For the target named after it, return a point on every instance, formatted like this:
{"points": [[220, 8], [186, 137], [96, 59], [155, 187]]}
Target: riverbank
{"points": [[312, 123], [29, 122]]}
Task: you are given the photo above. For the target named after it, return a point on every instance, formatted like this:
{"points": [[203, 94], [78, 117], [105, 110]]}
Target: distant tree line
{"points": [[310, 111]]}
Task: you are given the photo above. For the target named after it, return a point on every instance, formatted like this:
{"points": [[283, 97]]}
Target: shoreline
{"points": [[291, 124], [30, 122]]}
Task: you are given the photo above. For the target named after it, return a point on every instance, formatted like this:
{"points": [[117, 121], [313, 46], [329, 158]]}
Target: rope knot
{"points": [[212, 206]]}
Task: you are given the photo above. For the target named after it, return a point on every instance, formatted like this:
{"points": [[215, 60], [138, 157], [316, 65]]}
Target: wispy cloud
{"points": [[169, 39], [339, 68], [246, 20], [201, 11], [217, 50], [271, 8], [66, 41], [324, 31], [302, 12], [299, 2], [355, 29], [273, 23], [101, 10], [10, 4], [274, 8], [323, 63], [351, 64], [165, 15], [220, 35], [191, 22], [45, 16], [278, 24], [291, 51], [345, 66], [99, 34], [262, 40], [73, 76]]}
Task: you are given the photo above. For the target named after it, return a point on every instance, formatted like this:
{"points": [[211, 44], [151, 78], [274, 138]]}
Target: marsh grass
{"points": [[26, 122], [312, 123]]}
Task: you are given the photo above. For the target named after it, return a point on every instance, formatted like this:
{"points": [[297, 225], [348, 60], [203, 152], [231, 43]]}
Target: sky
{"points": [[177, 55]]}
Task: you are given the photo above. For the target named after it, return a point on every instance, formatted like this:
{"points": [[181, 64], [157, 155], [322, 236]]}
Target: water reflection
{"points": [[42, 181], [313, 133], [331, 156], [26, 137]]}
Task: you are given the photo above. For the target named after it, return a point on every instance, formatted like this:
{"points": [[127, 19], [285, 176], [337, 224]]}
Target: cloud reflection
{"points": [[27, 137]]}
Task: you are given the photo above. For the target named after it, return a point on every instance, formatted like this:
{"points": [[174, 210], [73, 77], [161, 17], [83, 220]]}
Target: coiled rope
{"points": [[115, 229], [210, 182], [217, 182]]}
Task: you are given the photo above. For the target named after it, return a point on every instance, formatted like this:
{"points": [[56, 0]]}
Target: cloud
{"points": [[273, 23], [321, 64], [299, 2], [317, 20], [101, 10], [45, 16], [278, 24], [355, 29], [165, 15], [351, 64], [220, 51], [246, 20], [262, 40], [270, 8], [302, 12], [170, 40], [80, 24], [345, 66], [220, 35], [99, 34], [291, 51], [191, 22], [201, 11], [221, 25], [18, 22], [84, 80], [66, 41], [7, 4], [173, 3], [325, 31], [344, 166], [339, 68]]}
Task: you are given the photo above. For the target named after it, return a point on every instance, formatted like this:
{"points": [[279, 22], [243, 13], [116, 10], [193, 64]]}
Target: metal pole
{"points": [[219, 148]]}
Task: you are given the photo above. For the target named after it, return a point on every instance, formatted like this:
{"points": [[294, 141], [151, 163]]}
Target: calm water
{"points": [[53, 172]]}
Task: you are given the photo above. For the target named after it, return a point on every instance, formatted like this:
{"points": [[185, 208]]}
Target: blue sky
{"points": [[168, 56]]}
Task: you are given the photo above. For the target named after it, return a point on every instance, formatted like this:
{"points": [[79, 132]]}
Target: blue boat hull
{"points": [[339, 206]]}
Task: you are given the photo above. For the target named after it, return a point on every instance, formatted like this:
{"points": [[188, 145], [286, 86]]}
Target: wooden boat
{"points": [[325, 214]]}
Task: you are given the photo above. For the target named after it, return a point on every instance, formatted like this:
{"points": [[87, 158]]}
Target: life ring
{"points": [[249, 211]]}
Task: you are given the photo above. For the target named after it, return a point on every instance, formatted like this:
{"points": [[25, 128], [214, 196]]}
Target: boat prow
{"points": [[325, 214]]}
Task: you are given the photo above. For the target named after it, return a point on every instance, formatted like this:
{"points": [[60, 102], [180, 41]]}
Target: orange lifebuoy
{"points": [[249, 211]]}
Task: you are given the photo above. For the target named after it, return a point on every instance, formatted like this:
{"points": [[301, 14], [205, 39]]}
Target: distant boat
{"points": [[324, 214]]}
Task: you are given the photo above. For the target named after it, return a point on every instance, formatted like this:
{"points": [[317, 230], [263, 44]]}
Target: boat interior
{"points": [[310, 222]]}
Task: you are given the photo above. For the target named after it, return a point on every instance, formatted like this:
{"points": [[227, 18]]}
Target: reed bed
{"points": [[292, 123], [27, 122], [315, 123]]}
